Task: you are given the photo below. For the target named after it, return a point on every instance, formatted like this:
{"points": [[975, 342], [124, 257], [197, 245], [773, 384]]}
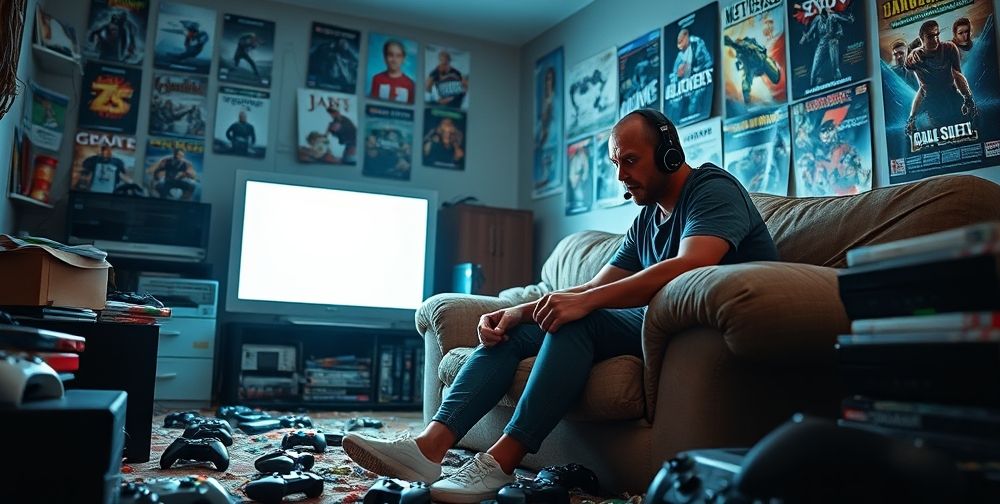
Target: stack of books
{"points": [[119, 312], [345, 378]]}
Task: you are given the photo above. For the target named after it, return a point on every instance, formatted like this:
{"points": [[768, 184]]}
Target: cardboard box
{"points": [[37, 276]]}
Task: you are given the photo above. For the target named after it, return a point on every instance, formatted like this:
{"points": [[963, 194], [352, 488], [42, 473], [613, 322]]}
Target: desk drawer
{"points": [[183, 379], [187, 337]]}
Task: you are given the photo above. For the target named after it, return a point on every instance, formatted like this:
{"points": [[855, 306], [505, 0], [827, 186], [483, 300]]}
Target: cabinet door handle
{"points": [[169, 333], [166, 376]]}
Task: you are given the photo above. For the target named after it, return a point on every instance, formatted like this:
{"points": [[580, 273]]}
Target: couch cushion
{"points": [[578, 257], [613, 391]]}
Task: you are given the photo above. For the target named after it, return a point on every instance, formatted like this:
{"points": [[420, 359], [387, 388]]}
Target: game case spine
{"points": [[968, 237]]}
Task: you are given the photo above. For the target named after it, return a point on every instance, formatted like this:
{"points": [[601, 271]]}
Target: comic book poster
{"points": [[753, 56], [832, 143], [691, 61], [388, 142], [447, 82], [579, 179], [702, 142], [608, 191], [104, 162], [241, 117], [639, 74], [46, 117], [116, 31], [947, 51], [178, 108], [828, 44], [757, 150], [592, 92], [444, 138], [109, 98], [547, 173], [333, 58], [328, 127], [185, 38], [246, 51], [392, 67], [174, 167]]}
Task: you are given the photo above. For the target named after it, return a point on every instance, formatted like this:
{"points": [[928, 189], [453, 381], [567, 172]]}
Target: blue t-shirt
{"points": [[712, 203]]}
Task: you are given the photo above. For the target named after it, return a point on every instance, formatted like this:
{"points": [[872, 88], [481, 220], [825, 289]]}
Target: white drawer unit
{"points": [[187, 337], [183, 379]]}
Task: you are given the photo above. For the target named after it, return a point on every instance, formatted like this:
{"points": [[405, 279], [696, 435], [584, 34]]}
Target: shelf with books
{"points": [[27, 200], [56, 62]]}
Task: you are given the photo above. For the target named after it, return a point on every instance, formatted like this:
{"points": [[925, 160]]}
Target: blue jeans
{"points": [[557, 378]]}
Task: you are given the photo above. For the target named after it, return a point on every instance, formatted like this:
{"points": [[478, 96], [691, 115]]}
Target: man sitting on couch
{"points": [[690, 218]]}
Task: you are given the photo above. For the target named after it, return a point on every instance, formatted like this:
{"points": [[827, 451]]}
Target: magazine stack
{"points": [[922, 361]]}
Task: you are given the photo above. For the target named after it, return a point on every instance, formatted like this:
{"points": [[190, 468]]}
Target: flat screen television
{"points": [[330, 251]]}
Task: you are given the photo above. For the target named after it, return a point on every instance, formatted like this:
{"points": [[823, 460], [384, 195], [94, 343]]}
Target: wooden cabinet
{"points": [[498, 239]]}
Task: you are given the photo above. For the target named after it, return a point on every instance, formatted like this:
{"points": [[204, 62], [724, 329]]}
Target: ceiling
{"points": [[510, 22]]}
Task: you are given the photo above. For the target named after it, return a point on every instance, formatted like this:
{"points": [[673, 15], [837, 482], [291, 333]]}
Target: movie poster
{"points": [[333, 58], [46, 117], [579, 180], [832, 143], [444, 138], [608, 191], [592, 92], [829, 47], [185, 35], [639, 74], [328, 127], [691, 57], [753, 56], [392, 67], [954, 127], [104, 163], [241, 117], [758, 149], [547, 173], [116, 31], [246, 51], [388, 142], [447, 82], [109, 99], [174, 167], [702, 142], [178, 108]]}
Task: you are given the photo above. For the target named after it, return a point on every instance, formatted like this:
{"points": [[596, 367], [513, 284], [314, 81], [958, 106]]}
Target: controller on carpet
{"points": [[186, 490], [208, 431], [197, 450], [570, 476], [296, 421], [362, 422], [271, 489], [180, 419], [397, 491], [240, 414], [284, 462], [211, 423], [310, 438], [531, 492], [259, 426]]}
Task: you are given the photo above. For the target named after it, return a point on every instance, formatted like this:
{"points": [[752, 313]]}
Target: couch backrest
{"points": [[578, 257], [821, 230]]}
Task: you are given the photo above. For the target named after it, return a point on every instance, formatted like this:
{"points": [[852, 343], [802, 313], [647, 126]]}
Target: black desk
{"points": [[118, 357]]}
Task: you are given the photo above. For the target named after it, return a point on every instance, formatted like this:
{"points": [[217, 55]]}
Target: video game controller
{"points": [[297, 421], [311, 438], [208, 431], [211, 423], [271, 489], [181, 419], [197, 450], [362, 422], [284, 462], [25, 377], [397, 491], [185, 490], [240, 414], [570, 476], [529, 492]]}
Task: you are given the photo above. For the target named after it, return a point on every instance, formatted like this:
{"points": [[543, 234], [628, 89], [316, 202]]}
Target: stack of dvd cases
{"points": [[344, 378]]}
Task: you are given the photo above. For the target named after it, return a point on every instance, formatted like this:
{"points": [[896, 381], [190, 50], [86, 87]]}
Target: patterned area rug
{"points": [[346, 482]]}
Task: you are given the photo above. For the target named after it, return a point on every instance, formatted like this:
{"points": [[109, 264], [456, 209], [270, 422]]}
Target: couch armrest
{"points": [[453, 318], [771, 313]]}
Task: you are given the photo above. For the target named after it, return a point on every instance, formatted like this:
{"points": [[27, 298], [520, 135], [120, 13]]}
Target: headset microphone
{"points": [[628, 195]]}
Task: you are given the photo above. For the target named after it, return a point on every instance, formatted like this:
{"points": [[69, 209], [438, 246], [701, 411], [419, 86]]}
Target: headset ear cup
{"points": [[673, 159]]}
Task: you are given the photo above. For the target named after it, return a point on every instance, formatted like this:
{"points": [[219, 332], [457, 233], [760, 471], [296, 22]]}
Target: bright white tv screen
{"points": [[333, 247]]}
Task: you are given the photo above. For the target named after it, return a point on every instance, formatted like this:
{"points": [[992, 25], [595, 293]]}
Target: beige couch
{"points": [[730, 351]]}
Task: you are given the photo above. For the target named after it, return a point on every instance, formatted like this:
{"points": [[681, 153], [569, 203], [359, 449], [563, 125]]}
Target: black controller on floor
{"points": [[309, 438], [296, 421], [180, 419], [570, 476], [284, 462], [211, 422], [186, 490], [197, 450], [207, 431], [271, 489], [397, 491]]}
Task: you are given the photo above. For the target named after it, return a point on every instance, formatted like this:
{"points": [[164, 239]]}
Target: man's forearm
{"points": [[638, 289]]}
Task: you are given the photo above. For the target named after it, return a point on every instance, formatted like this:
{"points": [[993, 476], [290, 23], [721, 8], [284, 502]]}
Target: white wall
{"points": [[607, 23]]}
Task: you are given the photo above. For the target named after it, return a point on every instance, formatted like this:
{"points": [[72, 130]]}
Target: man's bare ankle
{"points": [[429, 450]]}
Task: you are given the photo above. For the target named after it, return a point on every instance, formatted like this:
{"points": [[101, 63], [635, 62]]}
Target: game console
{"points": [[26, 378], [196, 450], [305, 438], [186, 490], [284, 462], [397, 491], [271, 489], [189, 298]]}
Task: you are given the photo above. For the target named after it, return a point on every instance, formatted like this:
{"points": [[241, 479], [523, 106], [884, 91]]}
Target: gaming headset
{"points": [[669, 155]]}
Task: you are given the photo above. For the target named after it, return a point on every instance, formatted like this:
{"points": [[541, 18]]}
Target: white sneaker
{"points": [[396, 458], [478, 480]]}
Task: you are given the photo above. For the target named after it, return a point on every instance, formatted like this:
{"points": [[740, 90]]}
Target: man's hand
{"points": [[555, 309], [493, 326], [969, 107], [916, 56]]}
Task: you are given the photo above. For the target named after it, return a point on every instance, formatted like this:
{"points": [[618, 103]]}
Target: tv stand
{"points": [[355, 324]]}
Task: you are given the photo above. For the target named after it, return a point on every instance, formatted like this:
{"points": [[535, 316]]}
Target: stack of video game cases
{"points": [[922, 361], [345, 378]]}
